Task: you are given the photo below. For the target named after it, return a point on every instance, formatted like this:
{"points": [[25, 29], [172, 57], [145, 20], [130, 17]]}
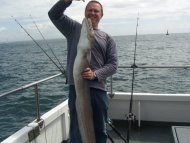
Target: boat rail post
{"points": [[111, 94], [37, 103], [139, 113]]}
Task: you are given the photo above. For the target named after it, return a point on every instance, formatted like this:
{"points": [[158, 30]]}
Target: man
{"points": [[103, 64]]}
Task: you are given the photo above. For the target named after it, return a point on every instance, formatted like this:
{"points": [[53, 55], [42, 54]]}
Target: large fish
{"points": [[83, 102]]}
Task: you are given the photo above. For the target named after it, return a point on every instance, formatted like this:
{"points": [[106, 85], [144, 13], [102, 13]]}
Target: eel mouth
{"points": [[89, 28], [88, 24]]}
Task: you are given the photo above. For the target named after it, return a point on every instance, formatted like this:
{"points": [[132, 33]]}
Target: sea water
{"points": [[23, 62]]}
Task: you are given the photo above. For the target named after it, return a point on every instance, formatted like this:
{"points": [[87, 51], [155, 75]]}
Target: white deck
{"points": [[181, 134]]}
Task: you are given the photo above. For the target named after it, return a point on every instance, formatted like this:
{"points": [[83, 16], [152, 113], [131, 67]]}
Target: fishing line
{"points": [[47, 43], [62, 71], [131, 117]]}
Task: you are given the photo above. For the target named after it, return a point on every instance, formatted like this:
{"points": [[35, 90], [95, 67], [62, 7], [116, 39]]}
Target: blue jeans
{"points": [[99, 101]]}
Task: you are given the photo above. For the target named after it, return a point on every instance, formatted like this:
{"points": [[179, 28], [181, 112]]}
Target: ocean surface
{"points": [[22, 63]]}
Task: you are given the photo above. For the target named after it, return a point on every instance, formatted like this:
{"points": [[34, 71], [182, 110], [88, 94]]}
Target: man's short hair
{"points": [[95, 1]]}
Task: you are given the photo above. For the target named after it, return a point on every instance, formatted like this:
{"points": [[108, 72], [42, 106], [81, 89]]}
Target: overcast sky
{"points": [[156, 16]]}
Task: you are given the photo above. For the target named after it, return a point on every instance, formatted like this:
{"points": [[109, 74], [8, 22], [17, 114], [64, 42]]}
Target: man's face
{"points": [[94, 12]]}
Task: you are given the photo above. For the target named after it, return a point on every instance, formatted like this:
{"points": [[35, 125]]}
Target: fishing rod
{"points": [[47, 43], [62, 71], [131, 117]]}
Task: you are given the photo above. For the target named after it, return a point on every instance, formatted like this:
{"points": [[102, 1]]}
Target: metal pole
{"points": [[37, 102], [111, 87]]}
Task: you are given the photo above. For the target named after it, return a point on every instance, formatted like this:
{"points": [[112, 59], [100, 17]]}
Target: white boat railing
{"points": [[155, 67], [36, 83], [31, 85], [145, 67]]}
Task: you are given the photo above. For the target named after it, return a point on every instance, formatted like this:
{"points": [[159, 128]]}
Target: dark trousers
{"points": [[99, 101]]}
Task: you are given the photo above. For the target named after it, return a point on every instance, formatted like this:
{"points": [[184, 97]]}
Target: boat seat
{"points": [[181, 134]]}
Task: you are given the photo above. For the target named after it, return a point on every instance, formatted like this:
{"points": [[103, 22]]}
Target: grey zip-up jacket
{"points": [[104, 60]]}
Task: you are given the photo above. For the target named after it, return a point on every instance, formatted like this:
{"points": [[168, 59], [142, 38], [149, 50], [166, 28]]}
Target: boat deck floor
{"points": [[147, 133]]}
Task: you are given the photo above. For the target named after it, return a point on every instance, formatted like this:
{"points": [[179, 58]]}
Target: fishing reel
{"points": [[131, 117]]}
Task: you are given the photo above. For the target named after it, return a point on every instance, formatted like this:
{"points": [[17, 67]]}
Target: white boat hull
{"points": [[152, 107], [146, 107], [55, 127]]}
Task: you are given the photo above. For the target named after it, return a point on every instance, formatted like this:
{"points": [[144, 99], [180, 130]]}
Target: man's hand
{"points": [[88, 74]]}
